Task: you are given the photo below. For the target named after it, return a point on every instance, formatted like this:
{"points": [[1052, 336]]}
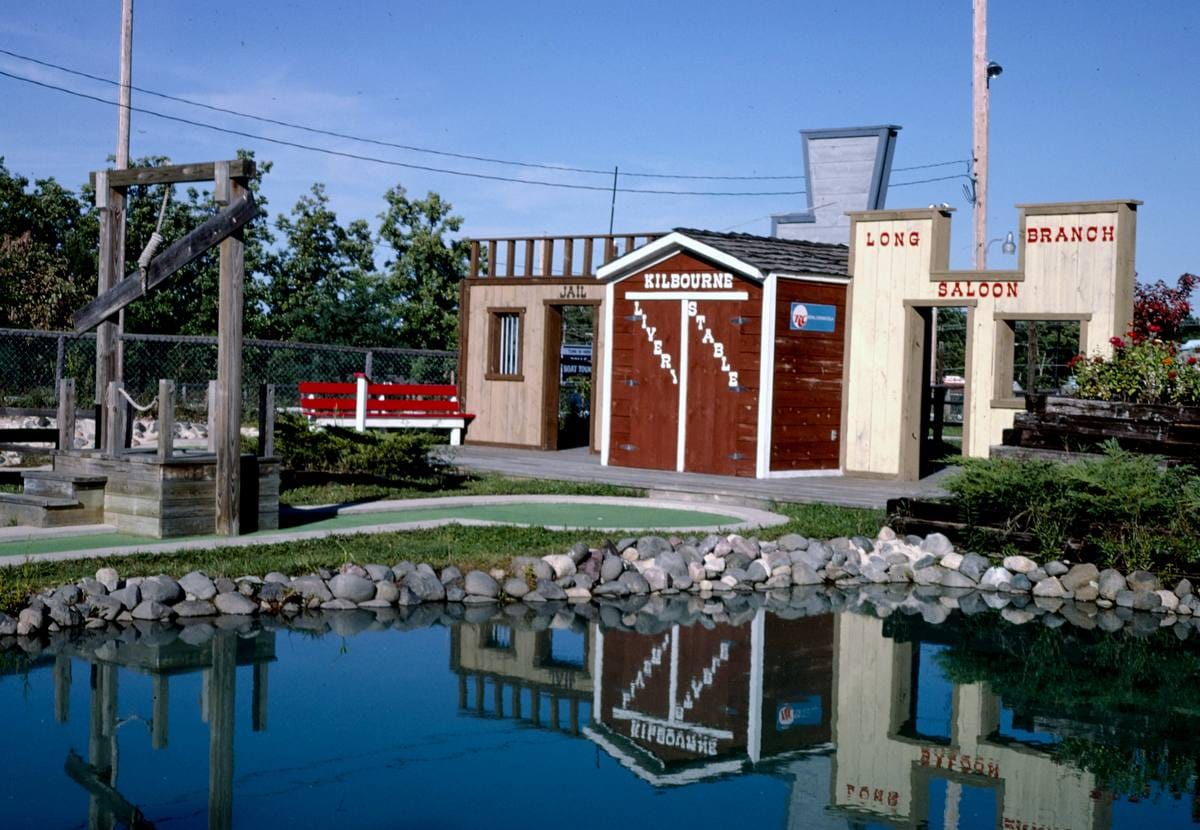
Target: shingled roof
{"points": [[779, 256]]}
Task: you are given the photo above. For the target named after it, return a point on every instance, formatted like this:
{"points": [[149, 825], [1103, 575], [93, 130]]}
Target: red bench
{"points": [[363, 404]]}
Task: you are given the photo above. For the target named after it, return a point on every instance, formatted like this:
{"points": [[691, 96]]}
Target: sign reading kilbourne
{"points": [[812, 317]]}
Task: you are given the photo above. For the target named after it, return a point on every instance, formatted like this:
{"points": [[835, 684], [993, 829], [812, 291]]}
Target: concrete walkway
{"points": [[581, 465], [729, 517]]}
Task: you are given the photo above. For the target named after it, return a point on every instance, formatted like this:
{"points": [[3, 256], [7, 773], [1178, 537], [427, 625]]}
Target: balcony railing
{"points": [[525, 257]]}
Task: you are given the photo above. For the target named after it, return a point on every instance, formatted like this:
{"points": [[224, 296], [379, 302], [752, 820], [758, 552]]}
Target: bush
{"points": [[1124, 509], [1139, 371], [391, 455]]}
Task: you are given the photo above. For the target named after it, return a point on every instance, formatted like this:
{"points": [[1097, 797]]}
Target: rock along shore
{"points": [[714, 577]]}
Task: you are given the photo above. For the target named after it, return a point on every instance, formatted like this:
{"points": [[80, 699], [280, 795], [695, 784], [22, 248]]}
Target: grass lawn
{"points": [[466, 547], [353, 490]]}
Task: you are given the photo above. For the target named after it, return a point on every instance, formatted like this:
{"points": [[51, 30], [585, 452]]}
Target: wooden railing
{"points": [[523, 257]]}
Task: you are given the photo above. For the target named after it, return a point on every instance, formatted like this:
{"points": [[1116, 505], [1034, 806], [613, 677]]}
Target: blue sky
{"points": [[1098, 100]]}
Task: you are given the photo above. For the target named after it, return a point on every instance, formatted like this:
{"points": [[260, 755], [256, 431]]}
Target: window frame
{"points": [[495, 347], [1003, 370]]}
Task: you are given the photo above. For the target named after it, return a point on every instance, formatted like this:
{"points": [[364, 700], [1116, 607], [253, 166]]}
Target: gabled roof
{"points": [[778, 256], [753, 257]]}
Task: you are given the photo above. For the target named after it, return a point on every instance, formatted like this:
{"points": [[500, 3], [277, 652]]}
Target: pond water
{"points": [[778, 715]]}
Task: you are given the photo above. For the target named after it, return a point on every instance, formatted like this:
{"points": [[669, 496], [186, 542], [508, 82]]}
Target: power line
{"points": [[392, 162], [409, 147], [416, 149]]}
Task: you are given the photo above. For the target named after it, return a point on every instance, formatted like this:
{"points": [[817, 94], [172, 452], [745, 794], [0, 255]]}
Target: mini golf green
{"points": [[573, 515]]}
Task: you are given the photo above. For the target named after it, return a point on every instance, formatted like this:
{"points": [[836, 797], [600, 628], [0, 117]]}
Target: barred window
{"points": [[505, 344]]}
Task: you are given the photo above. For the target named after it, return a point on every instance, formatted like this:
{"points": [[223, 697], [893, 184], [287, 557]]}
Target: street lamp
{"points": [[1008, 247]]}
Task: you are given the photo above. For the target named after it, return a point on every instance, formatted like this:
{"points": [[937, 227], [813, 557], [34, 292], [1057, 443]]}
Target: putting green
{"points": [[575, 515]]}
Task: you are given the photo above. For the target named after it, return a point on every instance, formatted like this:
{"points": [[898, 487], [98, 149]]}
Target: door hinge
{"points": [[737, 456], [630, 382], [627, 447]]}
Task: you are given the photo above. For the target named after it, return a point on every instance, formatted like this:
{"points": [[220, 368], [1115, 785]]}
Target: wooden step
{"points": [[63, 485], [31, 510]]}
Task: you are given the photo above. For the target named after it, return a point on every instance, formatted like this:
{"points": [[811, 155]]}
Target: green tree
{"points": [[47, 266], [322, 284], [424, 274]]}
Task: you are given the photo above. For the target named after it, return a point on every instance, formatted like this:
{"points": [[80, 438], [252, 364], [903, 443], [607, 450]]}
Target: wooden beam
{"points": [[207, 235], [230, 307], [161, 705], [114, 420], [108, 800], [175, 173]]}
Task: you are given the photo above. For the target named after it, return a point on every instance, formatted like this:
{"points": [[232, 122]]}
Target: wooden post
{"points": [[166, 419], [62, 688], [160, 719], [568, 256], [586, 269], [221, 695], [492, 269], [229, 365], [266, 420], [212, 416], [111, 202], [547, 256], [66, 414], [114, 420]]}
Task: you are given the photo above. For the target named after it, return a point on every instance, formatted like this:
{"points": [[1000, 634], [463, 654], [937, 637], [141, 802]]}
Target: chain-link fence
{"points": [[32, 363]]}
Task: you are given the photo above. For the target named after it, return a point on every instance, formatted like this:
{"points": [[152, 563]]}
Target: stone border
{"points": [[751, 518], [715, 570]]}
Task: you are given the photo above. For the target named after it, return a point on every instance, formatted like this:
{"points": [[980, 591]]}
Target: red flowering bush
{"points": [[1159, 310], [1141, 370]]}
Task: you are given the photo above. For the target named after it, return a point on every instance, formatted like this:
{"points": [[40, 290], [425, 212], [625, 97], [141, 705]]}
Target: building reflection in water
{"points": [[161, 659], [856, 713]]}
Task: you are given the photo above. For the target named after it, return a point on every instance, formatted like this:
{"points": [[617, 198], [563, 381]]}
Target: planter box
{"points": [[1078, 425]]}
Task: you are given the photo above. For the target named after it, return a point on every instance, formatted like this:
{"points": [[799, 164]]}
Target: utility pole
{"points": [[980, 78], [123, 110], [126, 83]]}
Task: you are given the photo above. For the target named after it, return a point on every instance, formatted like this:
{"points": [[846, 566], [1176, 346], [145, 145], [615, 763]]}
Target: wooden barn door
{"points": [[645, 382], [722, 386]]}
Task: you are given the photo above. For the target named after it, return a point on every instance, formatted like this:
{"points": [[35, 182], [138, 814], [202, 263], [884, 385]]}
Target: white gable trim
{"points": [[661, 248]]}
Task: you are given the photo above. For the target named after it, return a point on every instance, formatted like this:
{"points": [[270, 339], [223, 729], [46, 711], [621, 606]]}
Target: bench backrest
{"points": [[382, 398]]}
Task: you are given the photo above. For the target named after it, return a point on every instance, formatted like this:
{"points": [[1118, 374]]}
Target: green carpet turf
{"points": [[567, 514]]}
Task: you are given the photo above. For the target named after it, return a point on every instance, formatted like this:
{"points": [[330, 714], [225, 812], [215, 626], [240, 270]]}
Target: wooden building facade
{"points": [[1075, 263], [511, 311], [723, 354]]}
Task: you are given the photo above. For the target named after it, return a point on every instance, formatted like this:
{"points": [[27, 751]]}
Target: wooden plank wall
{"points": [[1090, 279], [806, 417], [509, 412]]}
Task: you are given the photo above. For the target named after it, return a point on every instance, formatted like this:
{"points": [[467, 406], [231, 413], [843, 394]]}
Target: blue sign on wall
{"points": [[813, 317], [806, 712]]}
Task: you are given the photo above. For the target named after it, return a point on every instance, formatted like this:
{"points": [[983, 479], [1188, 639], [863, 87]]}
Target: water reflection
{"points": [[806, 718]]}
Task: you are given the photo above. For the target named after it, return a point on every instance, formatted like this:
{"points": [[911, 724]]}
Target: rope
{"points": [[156, 238], [134, 403]]}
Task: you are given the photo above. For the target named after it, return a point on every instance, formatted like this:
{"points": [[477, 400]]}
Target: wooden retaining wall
{"points": [[163, 499]]}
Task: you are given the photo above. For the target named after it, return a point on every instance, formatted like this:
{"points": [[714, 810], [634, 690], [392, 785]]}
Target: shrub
{"points": [[399, 455], [1140, 371], [1124, 509]]}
